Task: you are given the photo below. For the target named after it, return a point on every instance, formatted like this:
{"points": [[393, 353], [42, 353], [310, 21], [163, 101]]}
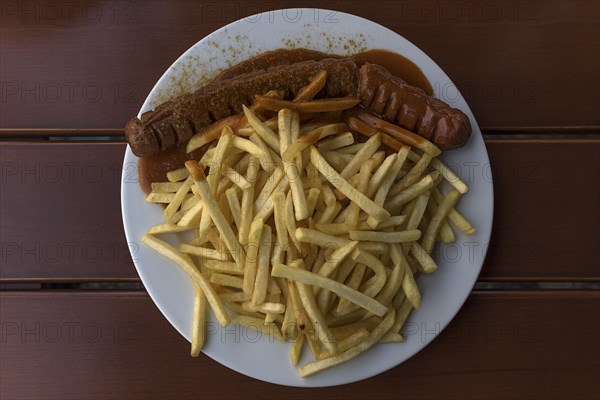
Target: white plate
{"points": [[443, 292]]}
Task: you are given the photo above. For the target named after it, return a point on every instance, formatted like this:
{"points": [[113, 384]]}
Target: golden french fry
{"points": [[354, 296], [307, 298], [376, 283], [234, 206], [436, 221], [247, 206], [356, 277], [387, 237], [214, 175], [392, 337], [233, 297], [177, 174], [290, 167], [262, 130], [268, 189], [289, 330], [186, 263], [311, 138], [328, 214], [290, 220], [168, 228], [374, 337], [204, 252], [280, 222], [247, 146], [226, 280], [210, 133], [267, 209], [296, 349], [198, 326], [393, 283], [353, 210], [313, 346], [418, 211], [335, 142], [266, 161], [454, 216], [265, 307], [154, 197], [335, 229], [413, 175], [377, 248], [353, 340], [401, 134], [301, 318], [311, 236], [177, 199], [271, 317], [262, 270], [409, 285], [189, 202], [387, 182], [352, 149], [379, 175], [258, 325], [365, 204], [311, 106], [366, 152], [328, 195], [215, 165], [424, 259], [391, 222], [445, 235], [236, 178], [406, 195], [309, 91], [165, 187], [226, 267], [210, 203], [449, 175], [251, 263], [402, 314]]}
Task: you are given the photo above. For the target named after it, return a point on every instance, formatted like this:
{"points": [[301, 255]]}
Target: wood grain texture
{"points": [[546, 210], [60, 211], [117, 345], [517, 63], [61, 215]]}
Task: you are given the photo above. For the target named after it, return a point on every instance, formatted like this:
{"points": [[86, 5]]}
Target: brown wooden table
{"points": [[77, 324]]}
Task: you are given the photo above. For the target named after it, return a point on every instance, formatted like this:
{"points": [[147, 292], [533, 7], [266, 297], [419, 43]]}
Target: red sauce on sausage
{"points": [[155, 168]]}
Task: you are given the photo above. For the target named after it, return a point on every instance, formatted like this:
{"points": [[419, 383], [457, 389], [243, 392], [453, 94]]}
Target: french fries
{"points": [[305, 232], [324, 105]]}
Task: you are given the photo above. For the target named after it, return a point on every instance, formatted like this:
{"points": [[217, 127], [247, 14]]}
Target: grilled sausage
{"points": [[409, 107], [174, 122]]}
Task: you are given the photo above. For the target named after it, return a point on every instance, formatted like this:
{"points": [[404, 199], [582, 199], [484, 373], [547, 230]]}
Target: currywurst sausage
{"points": [[176, 121], [411, 108]]}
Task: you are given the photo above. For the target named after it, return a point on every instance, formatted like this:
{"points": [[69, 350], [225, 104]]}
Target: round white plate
{"points": [[443, 292]]}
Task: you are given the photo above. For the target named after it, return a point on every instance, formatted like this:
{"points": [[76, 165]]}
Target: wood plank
{"points": [[546, 210], [514, 61], [539, 203], [501, 345], [60, 212]]}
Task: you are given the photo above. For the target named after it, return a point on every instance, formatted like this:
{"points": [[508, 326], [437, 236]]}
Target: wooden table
{"points": [[77, 324]]}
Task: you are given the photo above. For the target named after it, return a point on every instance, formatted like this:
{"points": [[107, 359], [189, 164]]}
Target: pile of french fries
{"points": [[307, 231]]}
